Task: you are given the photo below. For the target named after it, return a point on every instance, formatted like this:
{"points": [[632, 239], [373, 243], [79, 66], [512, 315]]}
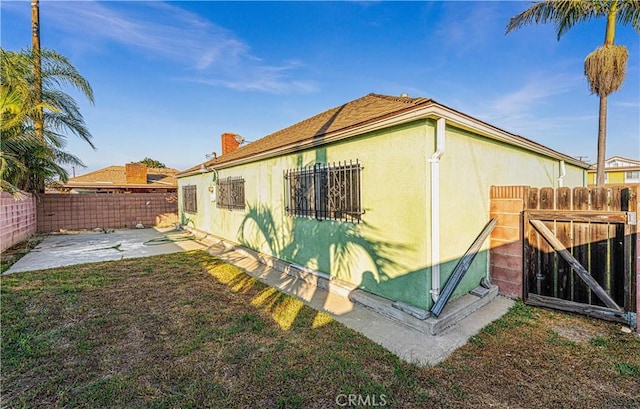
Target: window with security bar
{"points": [[325, 191], [189, 198], [231, 193]]}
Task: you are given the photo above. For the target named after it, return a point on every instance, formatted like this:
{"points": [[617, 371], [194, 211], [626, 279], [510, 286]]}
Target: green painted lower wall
{"points": [[388, 253]]}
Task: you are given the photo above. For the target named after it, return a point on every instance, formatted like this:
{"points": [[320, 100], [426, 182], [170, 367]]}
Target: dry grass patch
{"points": [[187, 330], [15, 252]]}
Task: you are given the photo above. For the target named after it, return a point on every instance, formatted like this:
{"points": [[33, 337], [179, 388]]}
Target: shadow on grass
{"points": [[284, 309], [161, 332], [337, 249]]}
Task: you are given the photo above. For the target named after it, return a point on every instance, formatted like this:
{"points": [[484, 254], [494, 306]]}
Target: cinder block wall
{"points": [[109, 211], [17, 219], [505, 254]]}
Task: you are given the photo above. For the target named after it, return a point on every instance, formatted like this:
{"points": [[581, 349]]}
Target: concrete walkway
{"points": [[395, 335], [403, 336]]}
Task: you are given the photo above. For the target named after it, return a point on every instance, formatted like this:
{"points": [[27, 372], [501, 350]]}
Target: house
{"points": [[617, 170], [384, 193], [131, 178]]}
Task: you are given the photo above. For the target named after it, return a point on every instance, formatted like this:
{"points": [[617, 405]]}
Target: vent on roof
{"points": [[404, 95]]}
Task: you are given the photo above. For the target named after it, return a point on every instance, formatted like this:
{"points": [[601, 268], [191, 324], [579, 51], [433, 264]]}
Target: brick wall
{"points": [[505, 254], [135, 173], [17, 219], [109, 211], [229, 143]]}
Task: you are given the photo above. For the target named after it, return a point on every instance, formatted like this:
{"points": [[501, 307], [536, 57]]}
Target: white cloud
{"points": [[465, 27], [268, 79], [529, 111], [627, 104], [162, 29], [534, 92]]}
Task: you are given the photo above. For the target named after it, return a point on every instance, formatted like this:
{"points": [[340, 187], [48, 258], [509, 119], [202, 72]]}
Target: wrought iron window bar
{"points": [[189, 198], [325, 191], [231, 193]]}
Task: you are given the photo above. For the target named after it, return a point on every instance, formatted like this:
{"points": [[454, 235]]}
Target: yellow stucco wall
{"points": [[612, 177], [470, 165], [389, 252]]}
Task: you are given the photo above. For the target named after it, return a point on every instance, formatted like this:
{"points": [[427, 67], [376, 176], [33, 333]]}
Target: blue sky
{"points": [[170, 77]]}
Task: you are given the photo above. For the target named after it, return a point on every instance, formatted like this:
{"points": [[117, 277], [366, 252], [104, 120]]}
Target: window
{"points": [[231, 193], [632, 176], [189, 198], [325, 192]]}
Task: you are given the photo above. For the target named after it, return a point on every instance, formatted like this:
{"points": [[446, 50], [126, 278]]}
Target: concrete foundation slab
{"points": [[423, 342], [61, 250]]}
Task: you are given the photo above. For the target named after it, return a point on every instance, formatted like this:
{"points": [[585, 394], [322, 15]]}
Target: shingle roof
{"points": [[114, 176], [368, 108]]}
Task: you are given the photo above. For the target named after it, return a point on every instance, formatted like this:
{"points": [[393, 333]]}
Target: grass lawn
{"points": [[187, 330], [13, 254]]}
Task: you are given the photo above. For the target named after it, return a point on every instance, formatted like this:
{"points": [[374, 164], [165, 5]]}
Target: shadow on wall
{"points": [[329, 246], [339, 248]]}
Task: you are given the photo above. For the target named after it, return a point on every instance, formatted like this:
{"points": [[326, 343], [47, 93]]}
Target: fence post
{"points": [[505, 255], [634, 206]]}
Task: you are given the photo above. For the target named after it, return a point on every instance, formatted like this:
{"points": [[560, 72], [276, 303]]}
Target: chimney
{"points": [[135, 174], [229, 143]]}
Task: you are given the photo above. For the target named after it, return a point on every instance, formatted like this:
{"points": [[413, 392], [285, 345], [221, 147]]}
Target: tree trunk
{"points": [[602, 112], [37, 69], [37, 77], [602, 140]]}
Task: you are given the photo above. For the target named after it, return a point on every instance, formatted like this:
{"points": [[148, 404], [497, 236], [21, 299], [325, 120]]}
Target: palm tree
{"points": [[37, 66], [605, 68], [28, 158]]}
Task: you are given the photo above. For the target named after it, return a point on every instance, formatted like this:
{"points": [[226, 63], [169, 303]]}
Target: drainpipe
{"points": [[435, 209], [563, 173]]}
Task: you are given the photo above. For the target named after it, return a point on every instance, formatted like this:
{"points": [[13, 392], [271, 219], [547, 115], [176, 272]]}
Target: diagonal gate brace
{"points": [[582, 272], [462, 267]]}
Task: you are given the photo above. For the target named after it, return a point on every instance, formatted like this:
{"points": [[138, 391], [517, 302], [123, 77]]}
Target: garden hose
{"points": [[173, 239]]}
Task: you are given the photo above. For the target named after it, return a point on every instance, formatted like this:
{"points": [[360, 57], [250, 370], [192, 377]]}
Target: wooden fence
{"points": [[549, 241]]}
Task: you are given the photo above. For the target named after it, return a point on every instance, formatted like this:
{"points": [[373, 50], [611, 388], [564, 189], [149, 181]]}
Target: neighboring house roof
{"points": [[617, 163], [115, 177], [369, 113]]}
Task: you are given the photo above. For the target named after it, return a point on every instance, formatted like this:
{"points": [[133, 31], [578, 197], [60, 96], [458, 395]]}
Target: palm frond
{"points": [[563, 13], [57, 70], [629, 14], [27, 161]]}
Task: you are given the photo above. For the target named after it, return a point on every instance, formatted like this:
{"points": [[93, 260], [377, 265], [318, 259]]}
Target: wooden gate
{"points": [[579, 252]]}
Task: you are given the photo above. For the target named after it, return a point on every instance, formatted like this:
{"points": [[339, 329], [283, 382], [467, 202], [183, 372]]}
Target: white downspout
{"points": [[435, 209], [563, 173]]}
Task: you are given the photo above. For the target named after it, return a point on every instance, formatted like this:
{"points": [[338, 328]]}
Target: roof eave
{"points": [[430, 110], [107, 186]]}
